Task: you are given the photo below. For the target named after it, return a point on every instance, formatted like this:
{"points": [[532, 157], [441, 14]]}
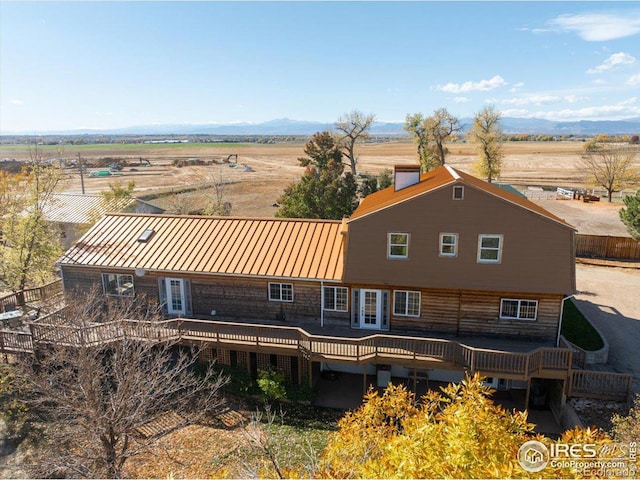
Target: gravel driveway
{"points": [[610, 298]]}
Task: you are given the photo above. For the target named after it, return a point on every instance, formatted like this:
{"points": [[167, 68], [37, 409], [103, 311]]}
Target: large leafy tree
{"points": [[29, 245], [353, 127], [630, 214], [610, 167], [323, 191], [456, 433], [431, 133], [487, 135]]}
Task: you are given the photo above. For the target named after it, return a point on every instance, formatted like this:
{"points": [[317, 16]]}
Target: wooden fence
{"points": [[599, 246]]}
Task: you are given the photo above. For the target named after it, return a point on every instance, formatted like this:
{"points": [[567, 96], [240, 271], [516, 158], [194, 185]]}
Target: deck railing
{"points": [[379, 348], [31, 295], [605, 385]]}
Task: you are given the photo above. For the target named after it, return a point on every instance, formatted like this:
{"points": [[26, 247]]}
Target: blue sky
{"points": [[116, 64]]}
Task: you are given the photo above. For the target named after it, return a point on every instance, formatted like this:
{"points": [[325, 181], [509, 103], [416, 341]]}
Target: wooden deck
{"points": [[31, 295], [407, 351]]}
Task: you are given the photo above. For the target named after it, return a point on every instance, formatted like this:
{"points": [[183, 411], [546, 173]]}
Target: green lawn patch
{"points": [[578, 330]]}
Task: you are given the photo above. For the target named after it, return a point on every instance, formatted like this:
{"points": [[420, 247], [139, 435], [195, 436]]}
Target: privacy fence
{"points": [[599, 246]]}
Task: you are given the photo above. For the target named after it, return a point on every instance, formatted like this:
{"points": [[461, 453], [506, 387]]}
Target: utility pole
{"points": [[81, 172]]}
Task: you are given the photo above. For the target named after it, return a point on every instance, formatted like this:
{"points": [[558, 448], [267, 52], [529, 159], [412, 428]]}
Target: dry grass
{"points": [[253, 194]]}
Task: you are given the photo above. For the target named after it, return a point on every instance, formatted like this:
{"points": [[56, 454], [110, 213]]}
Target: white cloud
{"points": [[613, 61], [634, 80], [516, 112], [621, 110], [481, 86], [598, 27], [15, 101], [542, 99], [574, 98], [516, 87], [460, 99], [599, 81], [630, 101], [532, 100]]}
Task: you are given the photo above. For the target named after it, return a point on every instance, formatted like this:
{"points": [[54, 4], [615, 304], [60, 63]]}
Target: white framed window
{"points": [[448, 244], [406, 303], [515, 309], [117, 284], [336, 299], [458, 192], [281, 292], [489, 248], [398, 245]]}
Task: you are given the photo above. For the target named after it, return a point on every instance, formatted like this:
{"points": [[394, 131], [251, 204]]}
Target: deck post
{"points": [[526, 397], [415, 379], [459, 317], [364, 381], [310, 372]]}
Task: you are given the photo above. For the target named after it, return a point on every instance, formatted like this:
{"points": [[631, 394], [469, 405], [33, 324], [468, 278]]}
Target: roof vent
{"points": [[405, 176], [146, 235]]}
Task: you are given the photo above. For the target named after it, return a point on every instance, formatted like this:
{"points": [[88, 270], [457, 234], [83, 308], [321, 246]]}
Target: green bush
{"points": [[271, 384]]}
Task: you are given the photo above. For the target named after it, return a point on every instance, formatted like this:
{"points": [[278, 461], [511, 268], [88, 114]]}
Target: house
{"points": [[74, 213], [438, 274]]}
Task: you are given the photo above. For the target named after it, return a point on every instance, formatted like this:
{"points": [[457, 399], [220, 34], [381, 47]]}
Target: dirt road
{"points": [[610, 298]]}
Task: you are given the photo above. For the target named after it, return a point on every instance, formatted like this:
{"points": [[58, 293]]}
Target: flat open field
{"points": [[253, 190]]}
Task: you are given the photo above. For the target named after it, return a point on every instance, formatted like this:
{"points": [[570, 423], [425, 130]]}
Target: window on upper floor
{"points": [[448, 244], [489, 248], [515, 309], [280, 292], [117, 284], [406, 303], [458, 192], [336, 298], [398, 245]]}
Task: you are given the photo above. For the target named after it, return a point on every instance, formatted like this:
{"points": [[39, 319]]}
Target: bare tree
{"points": [[487, 135], [353, 127], [216, 197], [92, 393], [431, 133], [440, 126], [610, 167], [415, 127]]}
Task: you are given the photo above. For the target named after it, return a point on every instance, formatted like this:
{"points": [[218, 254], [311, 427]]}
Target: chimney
{"points": [[405, 175]]}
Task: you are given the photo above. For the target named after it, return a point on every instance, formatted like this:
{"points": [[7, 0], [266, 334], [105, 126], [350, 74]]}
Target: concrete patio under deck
{"points": [[344, 392]]}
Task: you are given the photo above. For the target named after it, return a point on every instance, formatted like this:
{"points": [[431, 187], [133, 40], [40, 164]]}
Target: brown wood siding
{"points": [[537, 253], [480, 314], [249, 298], [229, 296], [467, 312], [438, 313]]}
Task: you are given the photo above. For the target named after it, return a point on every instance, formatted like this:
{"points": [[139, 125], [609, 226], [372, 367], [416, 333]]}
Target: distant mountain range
{"points": [[285, 126]]}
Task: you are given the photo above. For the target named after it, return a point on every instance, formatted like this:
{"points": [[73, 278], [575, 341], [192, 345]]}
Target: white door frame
{"points": [[183, 297], [377, 325]]}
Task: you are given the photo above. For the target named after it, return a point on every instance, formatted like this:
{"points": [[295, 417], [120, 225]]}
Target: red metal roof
{"points": [[281, 248], [435, 179]]}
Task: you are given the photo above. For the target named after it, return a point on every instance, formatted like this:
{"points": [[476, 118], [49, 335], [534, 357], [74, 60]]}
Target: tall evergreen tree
{"points": [[323, 191]]}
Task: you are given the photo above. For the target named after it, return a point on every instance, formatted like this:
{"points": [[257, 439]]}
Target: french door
{"points": [[176, 300], [370, 309]]}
